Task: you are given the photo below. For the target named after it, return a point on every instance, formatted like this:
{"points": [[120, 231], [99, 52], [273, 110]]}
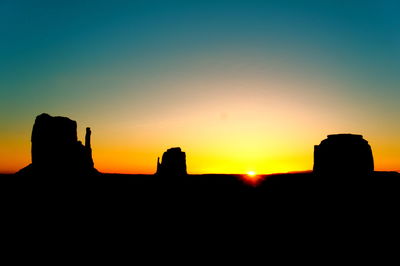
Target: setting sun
{"points": [[251, 173], [251, 178]]}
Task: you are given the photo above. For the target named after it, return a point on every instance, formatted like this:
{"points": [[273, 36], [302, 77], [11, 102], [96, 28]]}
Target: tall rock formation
{"points": [[343, 154], [56, 149], [173, 163]]}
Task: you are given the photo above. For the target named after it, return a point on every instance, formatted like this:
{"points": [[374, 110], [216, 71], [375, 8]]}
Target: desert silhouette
{"points": [[61, 194], [183, 131], [343, 170]]}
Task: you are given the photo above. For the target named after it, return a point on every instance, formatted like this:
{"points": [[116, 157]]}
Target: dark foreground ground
{"points": [[158, 213], [193, 194]]}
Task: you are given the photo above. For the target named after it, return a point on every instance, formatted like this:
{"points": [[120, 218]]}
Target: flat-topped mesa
{"points": [[56, 149], [173, 163], [343, 153]]}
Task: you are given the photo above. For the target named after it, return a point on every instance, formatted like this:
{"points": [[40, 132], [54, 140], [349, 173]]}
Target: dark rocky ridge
{"points": [[307, 202], [343, 153], [56, 149], [173, 163]]}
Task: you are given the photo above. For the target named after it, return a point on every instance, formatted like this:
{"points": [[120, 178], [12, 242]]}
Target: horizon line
{"points": [[278, 173]]}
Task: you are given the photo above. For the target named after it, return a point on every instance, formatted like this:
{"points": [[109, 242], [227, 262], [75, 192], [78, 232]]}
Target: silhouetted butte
{"points": [[56, 149], [343, 153], [173, 163]]}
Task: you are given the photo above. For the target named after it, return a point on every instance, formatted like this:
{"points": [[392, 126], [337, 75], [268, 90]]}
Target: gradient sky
{"points": [[239, 85]]}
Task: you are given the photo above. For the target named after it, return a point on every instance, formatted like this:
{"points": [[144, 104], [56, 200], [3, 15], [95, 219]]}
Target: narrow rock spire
{"points": [[87, 138]]}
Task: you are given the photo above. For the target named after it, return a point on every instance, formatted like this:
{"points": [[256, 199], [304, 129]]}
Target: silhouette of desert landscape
{"points": [[62, 166], [186, 131]]}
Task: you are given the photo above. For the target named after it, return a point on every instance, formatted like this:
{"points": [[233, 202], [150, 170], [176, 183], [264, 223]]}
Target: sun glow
{"points": [[251, 174], [251, 178]]}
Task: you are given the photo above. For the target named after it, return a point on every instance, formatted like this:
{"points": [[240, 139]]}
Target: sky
{"points": [[239, 85]]}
